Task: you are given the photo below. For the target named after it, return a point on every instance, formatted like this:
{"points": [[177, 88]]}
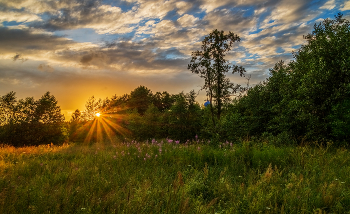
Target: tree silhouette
{"points": [[211, 65]]}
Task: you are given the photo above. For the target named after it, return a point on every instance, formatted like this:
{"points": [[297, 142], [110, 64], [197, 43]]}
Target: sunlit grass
{"points": [[167, 177]]}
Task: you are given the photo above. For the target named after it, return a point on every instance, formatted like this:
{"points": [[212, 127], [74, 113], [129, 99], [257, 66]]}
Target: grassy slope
{"points": [[170, 178]]}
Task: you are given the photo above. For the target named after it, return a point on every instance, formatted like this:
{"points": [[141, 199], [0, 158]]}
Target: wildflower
{"points": [[114, 157], [199, 148], [156, 156], [144, 159], [170, 141], [177, 141]]}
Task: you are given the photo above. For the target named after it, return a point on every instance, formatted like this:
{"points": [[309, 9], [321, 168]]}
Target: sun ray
{"points": [[108, 130], [121, 130], [91, 132], [99, 130], [83, 129]]}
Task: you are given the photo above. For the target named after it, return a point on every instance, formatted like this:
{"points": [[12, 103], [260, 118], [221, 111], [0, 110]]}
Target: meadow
{"points": [[167, 176]]}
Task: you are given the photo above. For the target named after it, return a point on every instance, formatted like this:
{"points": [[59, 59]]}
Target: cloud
{"points": [[228, 20], [45, 68], [346, 6], [18, 57], [18, 16], [329, 5], [183, 7], [187, 21]]}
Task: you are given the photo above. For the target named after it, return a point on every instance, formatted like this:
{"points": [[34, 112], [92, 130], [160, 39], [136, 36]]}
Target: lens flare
{"points": [[102, 127]]}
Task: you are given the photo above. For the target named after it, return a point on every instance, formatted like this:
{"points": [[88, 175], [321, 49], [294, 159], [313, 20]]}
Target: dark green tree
{"points": [[309, 98], [47, 111], [184, 117], [163, 101], [211, 65], [30, 122], [320, 80], [140, 98]]}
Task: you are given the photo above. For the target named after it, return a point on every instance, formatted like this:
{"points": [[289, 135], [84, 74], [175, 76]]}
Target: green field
{"points": [[166, 177]]}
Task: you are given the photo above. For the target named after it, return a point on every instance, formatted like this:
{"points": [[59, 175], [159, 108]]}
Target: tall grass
{"points": [[168, 177]]}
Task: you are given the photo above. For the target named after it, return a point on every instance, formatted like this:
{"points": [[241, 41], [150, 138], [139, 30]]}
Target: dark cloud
{"points": [[18, 57], [20, 40], [86, 59], [45, 68], [70, 15]]}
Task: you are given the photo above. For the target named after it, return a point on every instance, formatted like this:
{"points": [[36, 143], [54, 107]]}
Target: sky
{"points": [[81, 48]]}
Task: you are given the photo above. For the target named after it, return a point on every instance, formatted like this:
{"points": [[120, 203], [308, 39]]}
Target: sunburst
{"points": [[104, 126]]}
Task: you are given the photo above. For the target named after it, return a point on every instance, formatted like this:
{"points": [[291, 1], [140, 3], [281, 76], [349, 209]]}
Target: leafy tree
{"points": [[7, 103], [211, 65], [76, 116], [30, 122], [140, 98], [307, 99], [151, 123], [47, 111], [184, 117], [320, 79], [163, 101], [91, 108]]}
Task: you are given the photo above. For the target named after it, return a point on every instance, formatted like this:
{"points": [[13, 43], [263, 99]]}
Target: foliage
{"points": [[184, 117], [211, 65], [163, 101], [92, 107], [140, 98], [308, 98], [30, 122]]}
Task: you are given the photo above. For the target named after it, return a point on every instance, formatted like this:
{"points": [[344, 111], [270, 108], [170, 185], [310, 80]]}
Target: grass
{"points": [[163, 177]]}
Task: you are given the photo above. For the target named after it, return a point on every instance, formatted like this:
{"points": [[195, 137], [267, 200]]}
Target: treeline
{"points": [[306, 100], [140, 115], [31, 122]]}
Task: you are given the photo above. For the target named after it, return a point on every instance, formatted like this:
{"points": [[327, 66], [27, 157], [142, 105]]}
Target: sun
{"points": [[98, 114]]}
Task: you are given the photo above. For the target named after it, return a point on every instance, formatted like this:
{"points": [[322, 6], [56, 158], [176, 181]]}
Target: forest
{"points": [[306, 100]]}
